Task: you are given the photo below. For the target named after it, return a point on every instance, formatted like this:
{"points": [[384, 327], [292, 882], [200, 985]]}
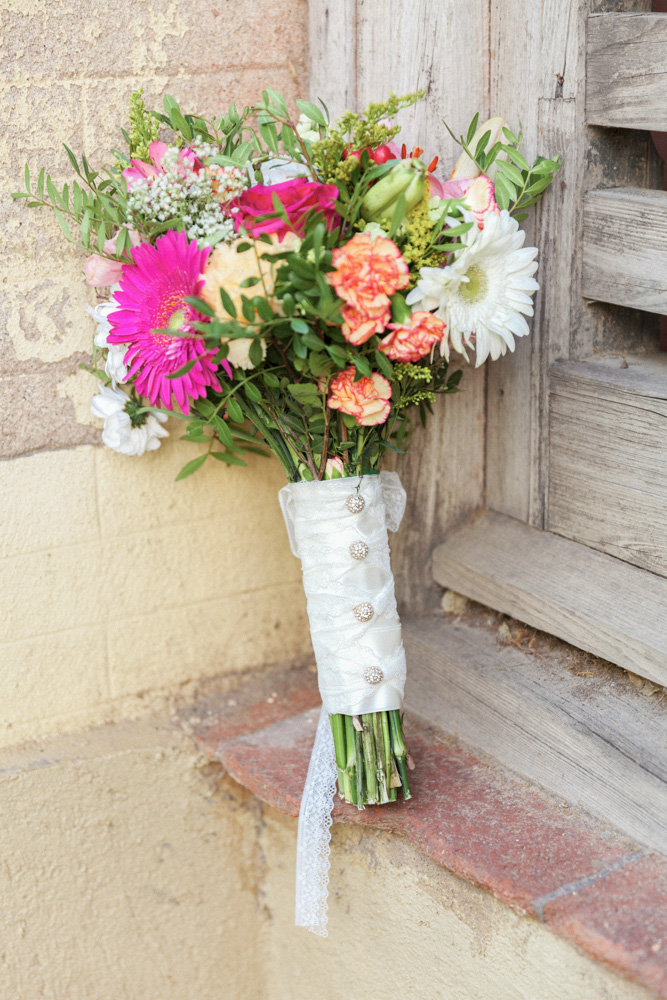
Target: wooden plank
{"points": [[548, 96], [601, 746], [624, 247], [332, 34], [626, 70], [608, 480], [588, 598], [444, 468]]}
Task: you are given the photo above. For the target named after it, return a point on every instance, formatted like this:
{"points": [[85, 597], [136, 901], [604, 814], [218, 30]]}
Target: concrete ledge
{"points": [[598, 890]]}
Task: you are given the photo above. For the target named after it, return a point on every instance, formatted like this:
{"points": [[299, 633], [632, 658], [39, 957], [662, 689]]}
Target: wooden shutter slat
{"points": [[608, 474], [626, 71], [588, 598], [625, 248]]}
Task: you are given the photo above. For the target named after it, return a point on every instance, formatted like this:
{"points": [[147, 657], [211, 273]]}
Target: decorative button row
{"points": [[363, 612]]}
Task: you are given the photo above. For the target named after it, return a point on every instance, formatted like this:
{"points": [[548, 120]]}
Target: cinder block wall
{"points": [[114, 579]]}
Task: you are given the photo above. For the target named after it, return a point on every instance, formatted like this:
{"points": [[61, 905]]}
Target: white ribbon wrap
{"points": [[321, 530]]}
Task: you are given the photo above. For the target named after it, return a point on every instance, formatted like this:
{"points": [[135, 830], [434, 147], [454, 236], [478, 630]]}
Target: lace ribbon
{"points": [[324, 529]]}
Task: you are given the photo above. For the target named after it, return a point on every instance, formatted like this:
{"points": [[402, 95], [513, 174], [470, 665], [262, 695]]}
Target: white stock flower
{"points": [[483, 293], [307, 130], [119, 434], [277, 170], [114, 366]]}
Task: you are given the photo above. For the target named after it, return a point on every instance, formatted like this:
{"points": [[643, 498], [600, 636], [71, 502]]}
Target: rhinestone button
{"points": [[355, 503], [363, 612], [358, 550], [373, 675]]}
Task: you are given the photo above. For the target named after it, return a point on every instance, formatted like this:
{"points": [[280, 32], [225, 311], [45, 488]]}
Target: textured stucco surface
{"points": [[132, 869], [114, 579], [66, 72]]}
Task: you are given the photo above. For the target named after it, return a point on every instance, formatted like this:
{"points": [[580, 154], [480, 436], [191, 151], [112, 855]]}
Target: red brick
{"points": [[489, 830], [621, 919]]}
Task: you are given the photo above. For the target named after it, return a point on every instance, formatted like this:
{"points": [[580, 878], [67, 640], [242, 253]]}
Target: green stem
{"points": [[400, 752], [370, 760]]}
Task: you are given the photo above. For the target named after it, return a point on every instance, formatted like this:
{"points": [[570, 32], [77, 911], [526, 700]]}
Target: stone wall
{"points": [[115, 579]]}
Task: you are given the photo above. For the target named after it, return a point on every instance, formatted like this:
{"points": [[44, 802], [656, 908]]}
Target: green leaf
{"points": [[299, 326], [481, 145], [40, 184], [270, 379], [203, 307], [26, 176], [362, 365], [223, 431], [227, 303], [85, 228], [263, 308], [247, 309], [270, 136], [304, 392], [63, 225], [278, 100], [251, 281], [516, 157], [72, 159], [384, 364], [312, 112], [228, 458], [504, 191], [192, 466], [251, 391], [188, 366], [510, 171], [234, 410], [472, 128], [398, 216], [255, 355]]}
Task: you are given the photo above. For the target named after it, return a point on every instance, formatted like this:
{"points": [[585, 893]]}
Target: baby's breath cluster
{"points": [[193, 196]]}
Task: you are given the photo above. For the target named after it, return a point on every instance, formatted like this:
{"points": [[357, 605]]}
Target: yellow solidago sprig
{"points": [[416, 238], [143, 127], [358, 131]]}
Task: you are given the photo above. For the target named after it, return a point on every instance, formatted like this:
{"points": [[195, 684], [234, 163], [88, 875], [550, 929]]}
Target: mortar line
{"points": [[541, 902]]}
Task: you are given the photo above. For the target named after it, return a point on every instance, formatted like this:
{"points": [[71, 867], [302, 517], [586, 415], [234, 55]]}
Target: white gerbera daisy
{"points": [[483, 293]]}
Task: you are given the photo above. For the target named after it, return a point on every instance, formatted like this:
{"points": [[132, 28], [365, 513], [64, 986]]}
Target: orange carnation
{"points": [[368, 271], [413, 340], [366, 400]]}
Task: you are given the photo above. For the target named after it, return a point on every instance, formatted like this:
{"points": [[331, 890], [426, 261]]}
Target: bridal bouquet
{"points": [[303, 286]]}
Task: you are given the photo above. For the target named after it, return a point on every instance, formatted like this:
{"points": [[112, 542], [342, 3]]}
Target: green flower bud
{"points": [[407, 179]]}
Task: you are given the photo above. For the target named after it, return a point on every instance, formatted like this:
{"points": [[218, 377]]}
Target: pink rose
{"points": [[298, 197], [367, 400], [413, 340], [102, 272]]}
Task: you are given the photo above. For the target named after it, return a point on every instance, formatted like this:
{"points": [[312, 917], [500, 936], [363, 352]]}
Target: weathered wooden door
{"points": [[541, 489]]}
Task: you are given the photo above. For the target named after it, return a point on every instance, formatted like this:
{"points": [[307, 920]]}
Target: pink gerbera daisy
{"points": [[151, 300]]}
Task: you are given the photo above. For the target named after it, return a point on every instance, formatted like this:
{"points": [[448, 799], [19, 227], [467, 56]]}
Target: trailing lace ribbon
{"points": [[322, 528]]}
